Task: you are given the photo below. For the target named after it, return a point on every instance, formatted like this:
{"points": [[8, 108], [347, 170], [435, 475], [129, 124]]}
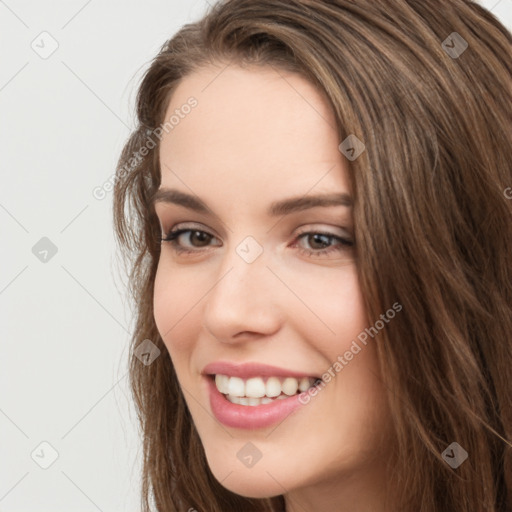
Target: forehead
{"points": [[255, 127]]}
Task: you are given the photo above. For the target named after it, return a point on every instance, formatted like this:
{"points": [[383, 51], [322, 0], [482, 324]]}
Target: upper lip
{"points": [[248, 370]]}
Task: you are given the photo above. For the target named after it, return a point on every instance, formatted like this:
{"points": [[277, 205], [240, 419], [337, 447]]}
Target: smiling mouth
{"points": [[261, 390]]}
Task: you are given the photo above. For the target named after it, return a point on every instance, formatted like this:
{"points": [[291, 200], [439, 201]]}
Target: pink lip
{"points": [[247, 416], [248, 370]]}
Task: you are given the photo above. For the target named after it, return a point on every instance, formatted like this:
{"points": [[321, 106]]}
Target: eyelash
{"points": [[345, 244]]}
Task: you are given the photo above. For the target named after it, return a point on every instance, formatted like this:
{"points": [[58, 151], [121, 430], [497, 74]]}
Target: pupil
{"points": [[317, 237], [201, 235]]}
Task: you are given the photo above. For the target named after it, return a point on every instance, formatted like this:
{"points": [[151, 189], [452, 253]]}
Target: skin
{"points": [[257, 136]]}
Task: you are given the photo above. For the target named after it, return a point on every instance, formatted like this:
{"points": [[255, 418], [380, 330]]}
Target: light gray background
{"points": [[65, 322]]}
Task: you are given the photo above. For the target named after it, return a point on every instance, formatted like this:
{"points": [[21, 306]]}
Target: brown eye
{"points": [[197, 239], [321, 243], [200, 236], [318, 238]]}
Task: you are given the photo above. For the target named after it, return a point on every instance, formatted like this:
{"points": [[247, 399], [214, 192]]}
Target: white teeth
{"points": [[290, 386], [222, 382], [273, 387], [253, 401], [304, 384], [256, 391], [236, 386], [255, 388]]}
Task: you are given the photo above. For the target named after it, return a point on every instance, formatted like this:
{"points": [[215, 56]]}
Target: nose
{"points": [[242, 304]]}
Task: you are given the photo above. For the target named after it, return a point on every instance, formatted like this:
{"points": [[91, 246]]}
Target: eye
{"points": [[174, 235], [322, 243], [324, 239]]}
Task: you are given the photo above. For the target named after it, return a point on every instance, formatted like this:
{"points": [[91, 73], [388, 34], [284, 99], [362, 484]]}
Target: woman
{"points": [[314, 212]]}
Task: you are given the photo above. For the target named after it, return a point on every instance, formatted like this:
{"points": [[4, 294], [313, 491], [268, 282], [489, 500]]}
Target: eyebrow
{"points": [[277, 208]]}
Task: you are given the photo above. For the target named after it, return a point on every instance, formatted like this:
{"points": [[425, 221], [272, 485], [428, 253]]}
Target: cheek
{"points": [[173, 304], [338, 306], [351, 313]]}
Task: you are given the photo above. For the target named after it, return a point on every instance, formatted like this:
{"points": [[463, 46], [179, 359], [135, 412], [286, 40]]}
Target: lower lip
{"points": [[249, 416]]}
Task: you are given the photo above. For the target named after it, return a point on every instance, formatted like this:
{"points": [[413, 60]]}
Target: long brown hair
{"points": [[426, 85]]}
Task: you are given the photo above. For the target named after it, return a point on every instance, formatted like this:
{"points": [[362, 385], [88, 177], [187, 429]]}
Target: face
{"points": [[270, 294]]}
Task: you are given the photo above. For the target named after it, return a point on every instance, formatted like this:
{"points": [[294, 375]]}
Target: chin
{"points": [[252, 486], [252, 482]]}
